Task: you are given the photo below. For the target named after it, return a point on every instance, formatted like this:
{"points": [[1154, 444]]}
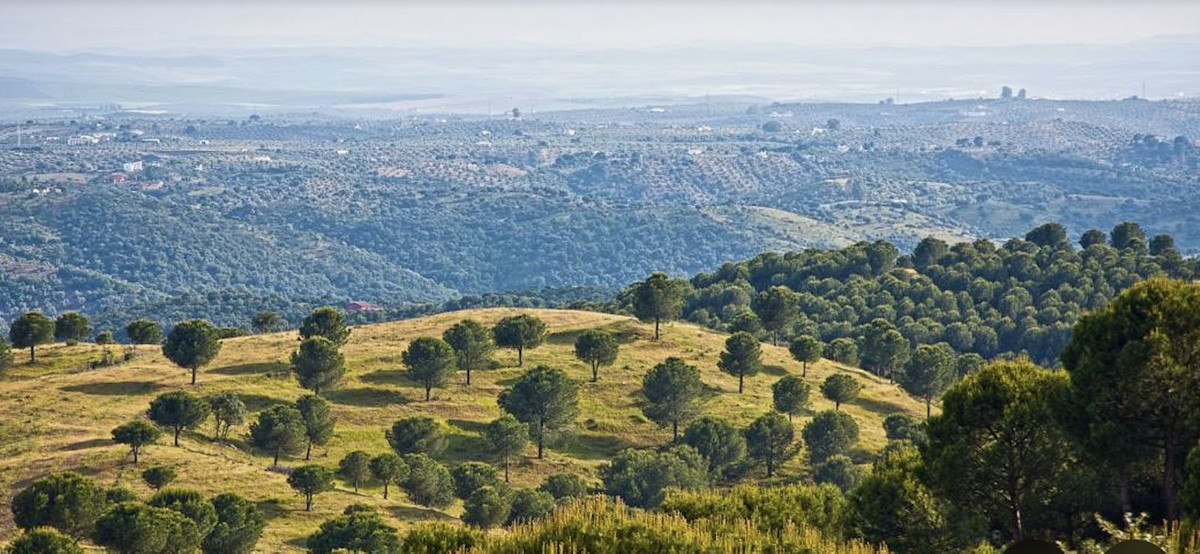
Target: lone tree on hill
{"points": [[486, 507], [144, 331], [996, 447], [358, 529], [658, 299], [159, 476], [30, 331], [228, 411], [388, 468], [596, 348], [545, 399], [777, 308], [520, 332], [790, 395], [429, 483], [310, 480], [417, 435], [472, 344], [840, 388], [318, 421], [806, 349], [190, 503], [430, 362], [828, 434], [68, 502], [673, 389], [721, 444], [192, 344], [71, 328], [742, 357], [279, 429], [355, 467], [136, 434], [239, 526], [265, 322], [178, 411], [930, 370], [328, 322], [506, 439], [134, 527], [318, 364], [769, 439]]}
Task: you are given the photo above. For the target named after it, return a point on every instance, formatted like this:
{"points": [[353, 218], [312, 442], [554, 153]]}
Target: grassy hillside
{"points": [[58, 415]]}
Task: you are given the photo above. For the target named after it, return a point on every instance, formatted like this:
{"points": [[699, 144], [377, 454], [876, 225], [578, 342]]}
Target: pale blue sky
{"points": [[65, 25]]}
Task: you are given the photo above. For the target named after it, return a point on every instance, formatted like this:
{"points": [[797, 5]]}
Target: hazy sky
{"points": [[65, 26]]}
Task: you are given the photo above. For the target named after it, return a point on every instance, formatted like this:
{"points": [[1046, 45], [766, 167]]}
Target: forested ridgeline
{"points": [[1019, 298]]}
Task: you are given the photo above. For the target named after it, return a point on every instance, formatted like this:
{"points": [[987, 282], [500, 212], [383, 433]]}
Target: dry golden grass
{"points": [[58, 416]]}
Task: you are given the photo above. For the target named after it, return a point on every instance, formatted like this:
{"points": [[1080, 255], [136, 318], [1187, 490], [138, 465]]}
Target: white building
{"points": [[131, 167], [82, 140]]}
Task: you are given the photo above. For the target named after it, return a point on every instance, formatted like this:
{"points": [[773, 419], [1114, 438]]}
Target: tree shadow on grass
{"points": [[258, 402], [464, 447], [776, 370], [590, 446], [881, 407], [385, 377], [366, 397], [266, 368], [467, 425], [418, 513], [86, 444], [117, 388], [564, 337], [272, 508]]}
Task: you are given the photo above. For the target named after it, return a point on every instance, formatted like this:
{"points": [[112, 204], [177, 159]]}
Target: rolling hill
{"points": [[59, 414]]}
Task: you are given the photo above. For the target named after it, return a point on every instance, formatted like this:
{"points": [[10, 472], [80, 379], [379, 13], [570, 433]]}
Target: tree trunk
{"points": [[541, 437], [317, 390], [837, 406], [675, 430], [1169, 477], [804, 368], [427, 387], [741, 377], [31, 358], [928, 401], [308, 502], [356, 486], [468, 374], [308, 452], [1123, 492], [193, 375], [656, 334], [135, 454], [276, 462], [520, 356], [177, 429], [770, 467], [385, 489], [774, 338], [1017, 528], [595, 371]]}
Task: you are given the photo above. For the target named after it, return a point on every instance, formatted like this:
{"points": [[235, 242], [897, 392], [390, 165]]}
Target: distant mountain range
{"points": [[421, 78]]}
